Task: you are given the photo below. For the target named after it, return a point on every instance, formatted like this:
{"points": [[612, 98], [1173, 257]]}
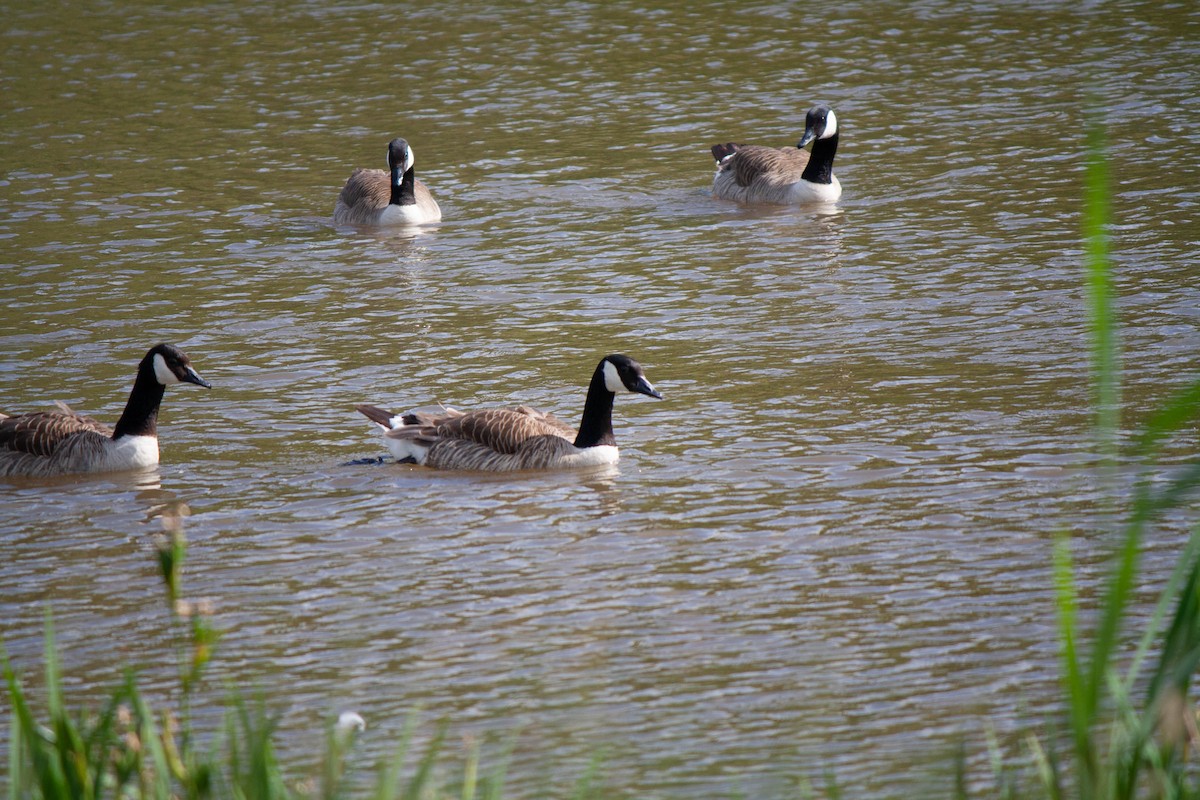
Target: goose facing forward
{"points": [[395, 197], [754, 174], [509, 439], [44, 444]]}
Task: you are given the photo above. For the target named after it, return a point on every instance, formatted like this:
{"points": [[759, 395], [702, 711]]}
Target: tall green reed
{"points": [[1131, 725]]}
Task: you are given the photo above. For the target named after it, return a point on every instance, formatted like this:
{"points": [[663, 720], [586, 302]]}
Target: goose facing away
{"points": [[395, 197], [510, 439], [751, 173], [44, 444]]}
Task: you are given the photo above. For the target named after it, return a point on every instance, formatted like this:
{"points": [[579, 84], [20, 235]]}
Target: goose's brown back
{"points": [[43, 432], [366, 193], [43, 443], [754, 173], [504, 430]]}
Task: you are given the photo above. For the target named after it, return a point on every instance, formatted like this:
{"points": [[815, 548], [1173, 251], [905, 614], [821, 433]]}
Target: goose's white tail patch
{"points": [[406, 449]]}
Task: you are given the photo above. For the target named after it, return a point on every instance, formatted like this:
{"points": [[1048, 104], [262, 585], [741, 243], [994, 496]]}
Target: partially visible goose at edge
{"points": [[509, 439], [396, 197], [44, 444], [751, 173]]}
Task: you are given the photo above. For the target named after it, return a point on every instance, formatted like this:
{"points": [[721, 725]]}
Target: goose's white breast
{"points": [[132, 452], [592, 456]]}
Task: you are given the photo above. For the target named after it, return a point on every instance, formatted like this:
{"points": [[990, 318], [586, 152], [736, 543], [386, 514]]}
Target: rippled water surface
{"points": [[827, 548]]}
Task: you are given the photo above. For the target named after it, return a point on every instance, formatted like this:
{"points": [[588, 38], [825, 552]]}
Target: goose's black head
{"points": [[820, 123], [400, 158], [170, 365], [623, 374]]}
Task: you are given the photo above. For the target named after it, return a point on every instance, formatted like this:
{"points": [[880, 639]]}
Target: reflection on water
{"points": [[827, 548]]}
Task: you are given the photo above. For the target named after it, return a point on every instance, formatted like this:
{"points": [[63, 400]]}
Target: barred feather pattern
{"points": [[545, 451], [42, 432]]}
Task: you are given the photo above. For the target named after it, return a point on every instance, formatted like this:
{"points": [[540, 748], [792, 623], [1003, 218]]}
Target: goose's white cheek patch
{"points": [[830, 125], [163, 372], [612, 380]]}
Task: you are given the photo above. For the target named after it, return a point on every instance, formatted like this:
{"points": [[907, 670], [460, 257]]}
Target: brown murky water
{"points": [[827, 548]]}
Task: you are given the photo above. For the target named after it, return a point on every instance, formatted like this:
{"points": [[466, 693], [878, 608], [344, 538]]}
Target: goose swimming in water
{"points": [[44, 444], [395, 197], [509, 439], [751, 173]]}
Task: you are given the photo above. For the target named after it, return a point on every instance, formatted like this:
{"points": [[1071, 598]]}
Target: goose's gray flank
{"points": [[510, 439], [395, 197], [784, 175], [48, 443]]}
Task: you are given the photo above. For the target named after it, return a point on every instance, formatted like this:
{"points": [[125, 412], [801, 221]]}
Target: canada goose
{"points": [[507, 439], [44, 443], [754, 174], [372, 197]]}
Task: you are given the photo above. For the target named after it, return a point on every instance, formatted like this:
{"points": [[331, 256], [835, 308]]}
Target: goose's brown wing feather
{"points": [[504, 430], [542, 451], [43, 432], [561, 427], [773, 164], [424, 198], [365, 190]]}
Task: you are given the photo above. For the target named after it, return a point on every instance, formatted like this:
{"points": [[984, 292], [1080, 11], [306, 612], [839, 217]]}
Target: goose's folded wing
{"points": [[366, 188], [562, 428], [544, 451], [504, 430], [777, 165], [41, 433]]}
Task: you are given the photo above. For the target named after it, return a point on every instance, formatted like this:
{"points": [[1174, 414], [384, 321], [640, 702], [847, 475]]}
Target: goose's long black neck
{"points": [[596, 426], [140, 417], [405, 192], [820, 161]]}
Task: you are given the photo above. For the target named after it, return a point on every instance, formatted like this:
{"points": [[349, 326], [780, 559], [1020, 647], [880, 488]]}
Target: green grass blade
{"points": [[1067, 605], [16, 749], [1187, 563], [68, 742], [495, 781], [151, 742], [1179, 486], [1173, 416], [388, 785], [1181, 642], [470, 783], [50, 658], [1116, 603], [46, 769], [419, 782], [583, 787]]}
